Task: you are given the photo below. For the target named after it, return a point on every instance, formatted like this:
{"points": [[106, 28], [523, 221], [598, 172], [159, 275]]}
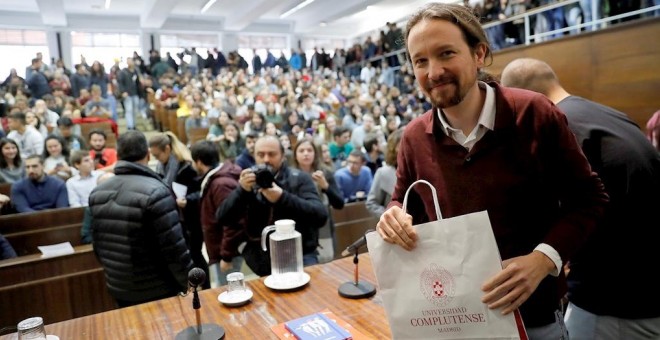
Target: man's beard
{"points": [[444, 102]]}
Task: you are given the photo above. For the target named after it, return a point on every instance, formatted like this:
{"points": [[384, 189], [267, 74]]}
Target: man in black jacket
{"points": [[293, 195], [136, 232]]}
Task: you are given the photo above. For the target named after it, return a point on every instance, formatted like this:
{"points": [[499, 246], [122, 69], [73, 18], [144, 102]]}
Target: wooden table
{"points": [[163, 319]]}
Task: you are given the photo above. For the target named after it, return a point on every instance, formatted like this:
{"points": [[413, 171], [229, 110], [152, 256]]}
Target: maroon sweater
{"points": [[529, 174], [221, 241]]}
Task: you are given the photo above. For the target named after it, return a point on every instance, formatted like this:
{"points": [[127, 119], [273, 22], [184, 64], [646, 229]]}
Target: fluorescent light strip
{"points": [[107, 3], [296, 9], [208, 5]]}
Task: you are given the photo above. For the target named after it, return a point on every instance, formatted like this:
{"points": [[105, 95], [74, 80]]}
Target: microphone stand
{"points": [[356, 289], [205, 331]]}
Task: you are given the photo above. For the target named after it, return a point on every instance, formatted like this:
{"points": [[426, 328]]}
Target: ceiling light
{"points": [[296, 9], [107, 3], [323, 24], [208, 5]]}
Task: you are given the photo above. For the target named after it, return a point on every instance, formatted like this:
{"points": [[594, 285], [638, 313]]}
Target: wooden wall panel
{"points": [[618, 66]]}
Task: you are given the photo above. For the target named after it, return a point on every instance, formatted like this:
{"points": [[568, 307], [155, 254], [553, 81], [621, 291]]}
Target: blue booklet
{"points": [[316, 326]]}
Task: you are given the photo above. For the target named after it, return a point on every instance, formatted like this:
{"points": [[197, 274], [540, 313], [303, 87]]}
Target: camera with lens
{"points": [[264, 174]]}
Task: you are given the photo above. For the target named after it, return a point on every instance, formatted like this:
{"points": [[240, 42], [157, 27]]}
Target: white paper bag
{"points": [[434, 291]]}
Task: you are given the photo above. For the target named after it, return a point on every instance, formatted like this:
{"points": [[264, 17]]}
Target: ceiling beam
{"points": [[52, 12], [251, 11], [329, 12], [156, 13]]}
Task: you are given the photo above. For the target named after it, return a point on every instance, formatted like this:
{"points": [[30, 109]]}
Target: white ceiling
{"points": [[341, 18]]}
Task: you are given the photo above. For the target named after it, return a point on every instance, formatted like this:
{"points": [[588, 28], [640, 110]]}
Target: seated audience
{"points": [[373, 155], [246, 158], [31, 142], [97, 106], [340, 148], [382, 187], [38, 191], [70, 133], [11, 164], [34, 121], [56, 158], [81, 185], [354, 180], [103, 157], [232, 145]]}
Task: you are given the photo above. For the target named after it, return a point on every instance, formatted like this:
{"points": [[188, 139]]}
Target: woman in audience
{"points": [[217, 130], [11, 165], [56, 155], [232, 144], [383, 184], [175, 165], [273, 115], [326, 159], [354, 118], [307, 158], [32, 119], [257, 124], [293, 125], [271, 130]]}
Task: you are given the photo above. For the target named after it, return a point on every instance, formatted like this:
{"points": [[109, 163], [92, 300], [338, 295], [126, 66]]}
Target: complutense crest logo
{"points": [[437, 285]]}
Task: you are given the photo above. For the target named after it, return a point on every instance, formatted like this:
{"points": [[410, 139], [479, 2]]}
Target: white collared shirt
{"points": [[487, 122]]}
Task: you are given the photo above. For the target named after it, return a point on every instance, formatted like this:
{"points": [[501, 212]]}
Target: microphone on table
{"points": [[356, 289], [362, 241], [197, 277]]}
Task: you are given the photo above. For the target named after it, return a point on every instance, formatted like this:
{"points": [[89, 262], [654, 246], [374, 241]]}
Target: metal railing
{"points": [[529, 37]]}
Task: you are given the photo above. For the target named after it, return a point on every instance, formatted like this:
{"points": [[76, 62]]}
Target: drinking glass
{"points": [[32, 329]]}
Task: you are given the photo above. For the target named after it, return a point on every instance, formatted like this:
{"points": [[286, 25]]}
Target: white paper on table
{"points": [[59, 249], [180, 190]]}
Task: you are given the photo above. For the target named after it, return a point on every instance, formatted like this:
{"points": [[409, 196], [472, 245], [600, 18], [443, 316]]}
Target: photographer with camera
{"points": [[268, 192]]}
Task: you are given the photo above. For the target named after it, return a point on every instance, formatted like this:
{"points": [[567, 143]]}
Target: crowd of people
{"points": [[327, 137]]}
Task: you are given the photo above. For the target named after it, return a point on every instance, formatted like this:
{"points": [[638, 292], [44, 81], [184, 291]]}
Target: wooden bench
{"points": [[26, 231], [57, 288], [197, 134], [27, 242], [40, 219], [5, 189]]}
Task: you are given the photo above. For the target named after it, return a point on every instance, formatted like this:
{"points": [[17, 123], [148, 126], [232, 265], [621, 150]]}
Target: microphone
{"points": [[196, 277], [357, 244]]}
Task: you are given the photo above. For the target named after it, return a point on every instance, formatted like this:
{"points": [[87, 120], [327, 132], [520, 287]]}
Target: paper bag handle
{"points": [[435, 197]]}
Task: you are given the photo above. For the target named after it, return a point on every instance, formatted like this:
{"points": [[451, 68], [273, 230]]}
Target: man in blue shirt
{"points": [[38, 191], [354, 180]]}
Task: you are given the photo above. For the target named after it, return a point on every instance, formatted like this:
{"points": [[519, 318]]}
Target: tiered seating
{"points": [[56, 288], [26, 231]]}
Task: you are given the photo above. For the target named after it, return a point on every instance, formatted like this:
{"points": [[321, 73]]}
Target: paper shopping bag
{"points": [[434, 291]]}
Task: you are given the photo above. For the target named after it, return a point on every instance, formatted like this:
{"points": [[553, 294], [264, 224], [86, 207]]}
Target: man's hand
{"points": [[181, 202], [224, 266], [396, 227], [272, 194], [247, 179], [4, 199], [512, 286]]}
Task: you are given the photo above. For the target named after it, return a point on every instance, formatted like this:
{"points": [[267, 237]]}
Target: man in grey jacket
{"points": [[136, 232]]}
